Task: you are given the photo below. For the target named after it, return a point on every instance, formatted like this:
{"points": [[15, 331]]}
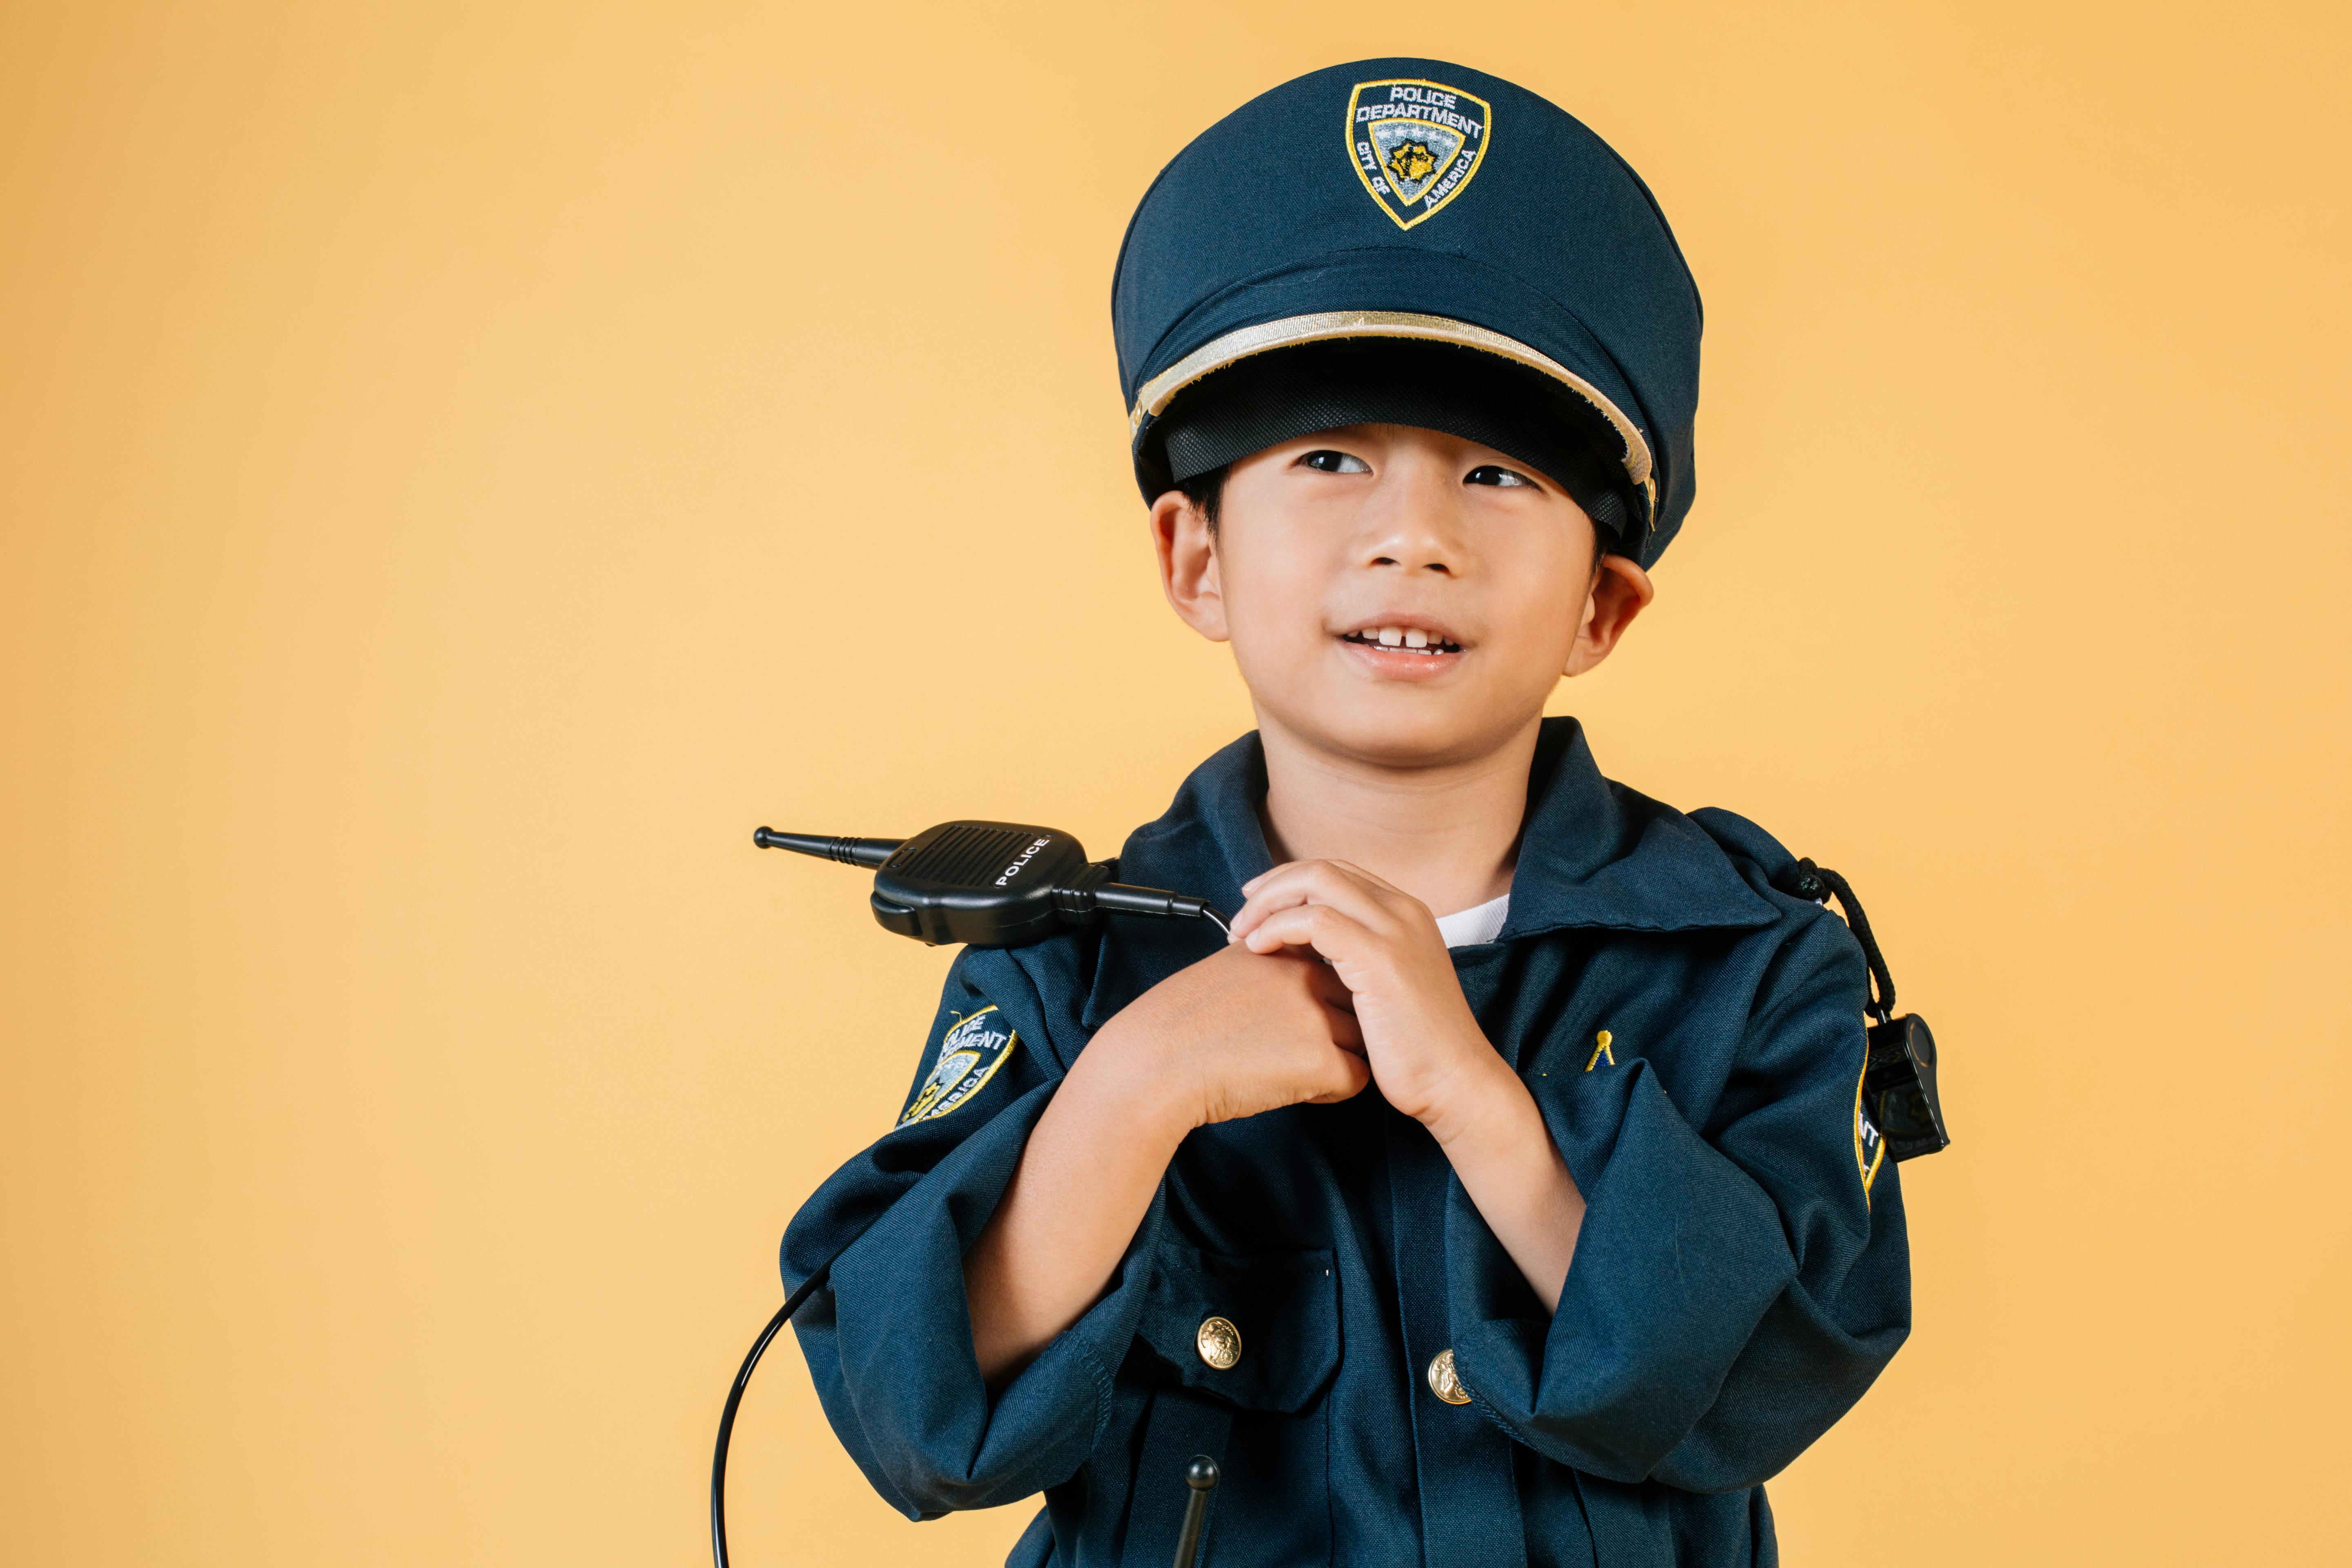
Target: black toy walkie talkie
{"points": [[986, 884]]}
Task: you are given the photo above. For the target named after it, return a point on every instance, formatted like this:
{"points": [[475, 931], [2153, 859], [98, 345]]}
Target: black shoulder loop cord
{"points": [[1817, 884]]}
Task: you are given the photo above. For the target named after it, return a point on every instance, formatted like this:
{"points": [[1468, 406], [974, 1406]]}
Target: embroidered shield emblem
{"points": [[970, 1055], [1869, 1148], [1415, 144]]}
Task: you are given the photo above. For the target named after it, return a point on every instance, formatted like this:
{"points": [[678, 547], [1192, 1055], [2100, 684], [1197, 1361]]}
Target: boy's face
{"points": [[1395, 595]]}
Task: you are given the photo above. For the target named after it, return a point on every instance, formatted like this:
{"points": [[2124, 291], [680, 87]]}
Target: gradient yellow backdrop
{"points": [[463, 466]]}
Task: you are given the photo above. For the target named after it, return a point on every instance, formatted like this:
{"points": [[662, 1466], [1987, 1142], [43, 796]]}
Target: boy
{"points": [[1501, 1193]]}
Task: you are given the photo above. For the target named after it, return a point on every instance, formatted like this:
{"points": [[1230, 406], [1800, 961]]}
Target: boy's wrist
{"points": [[1482, 1098], [1115, 1076]]}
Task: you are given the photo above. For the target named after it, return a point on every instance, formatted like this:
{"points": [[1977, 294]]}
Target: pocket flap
{"points": [[1280, 1329]]}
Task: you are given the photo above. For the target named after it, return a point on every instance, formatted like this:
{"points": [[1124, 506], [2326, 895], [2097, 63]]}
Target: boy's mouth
{"points": [[1403, 640]]}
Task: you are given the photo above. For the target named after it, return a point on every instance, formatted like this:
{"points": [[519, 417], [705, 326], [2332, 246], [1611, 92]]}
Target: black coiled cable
{"points": [[735, 1398], [799, 1294]]}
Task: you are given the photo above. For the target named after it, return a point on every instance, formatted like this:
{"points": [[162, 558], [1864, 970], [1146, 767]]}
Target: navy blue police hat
{"points": [[1423, 244]]}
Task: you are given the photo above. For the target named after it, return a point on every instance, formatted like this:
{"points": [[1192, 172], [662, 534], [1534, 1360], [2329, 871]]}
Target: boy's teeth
{"points": [[1402, 638]]}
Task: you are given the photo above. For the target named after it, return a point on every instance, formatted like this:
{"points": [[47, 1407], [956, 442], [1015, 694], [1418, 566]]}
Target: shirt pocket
{"points": [[1258, 1330]]}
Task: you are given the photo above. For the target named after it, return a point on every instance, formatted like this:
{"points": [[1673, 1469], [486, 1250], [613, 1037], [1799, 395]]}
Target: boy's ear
{"points": [[1187, 563], [1620, 590]]}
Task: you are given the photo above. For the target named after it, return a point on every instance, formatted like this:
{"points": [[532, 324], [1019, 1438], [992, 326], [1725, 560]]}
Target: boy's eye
{"points": [[1491, 474], [1332, 462]]}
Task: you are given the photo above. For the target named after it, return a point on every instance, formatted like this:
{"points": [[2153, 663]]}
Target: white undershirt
{"points": [[1472, 927]]}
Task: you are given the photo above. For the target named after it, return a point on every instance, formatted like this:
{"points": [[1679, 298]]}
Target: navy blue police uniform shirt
{"points": [[1694, 1040]]}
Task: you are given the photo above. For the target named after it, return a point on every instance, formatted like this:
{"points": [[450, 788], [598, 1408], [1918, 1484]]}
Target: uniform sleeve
{"points": [[1731, 1295], [888, 1342]]}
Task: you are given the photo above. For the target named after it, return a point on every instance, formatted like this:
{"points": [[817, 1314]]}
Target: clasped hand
{"points": [[1334, 979], [1262, 1025]]}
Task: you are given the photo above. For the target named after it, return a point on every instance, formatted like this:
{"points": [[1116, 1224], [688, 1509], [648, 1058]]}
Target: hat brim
{"points": [[1330, 384], [1326, 326]]}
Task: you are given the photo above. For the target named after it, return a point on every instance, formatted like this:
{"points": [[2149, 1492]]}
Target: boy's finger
{"points": [[1354, 1075], [1327, 874], [1329, 988], [1344, 883], [1346, 1032], [1272, 871], [1371, 879], [1328, 931], [1311, 882]]}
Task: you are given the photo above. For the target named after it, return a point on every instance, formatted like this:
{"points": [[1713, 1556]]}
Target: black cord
{"points": [[1818, 884], [735, 1398], [760, 1347]]}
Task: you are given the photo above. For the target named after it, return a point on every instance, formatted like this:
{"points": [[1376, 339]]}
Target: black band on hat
{"points": [[1278, 396]]}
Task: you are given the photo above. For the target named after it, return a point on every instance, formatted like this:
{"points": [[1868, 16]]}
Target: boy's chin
{"points": [[1403, 734]]}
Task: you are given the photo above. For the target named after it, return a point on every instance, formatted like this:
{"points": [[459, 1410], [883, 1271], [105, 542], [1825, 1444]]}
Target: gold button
{"points": [[1444, 1382], [1219, 1342]]}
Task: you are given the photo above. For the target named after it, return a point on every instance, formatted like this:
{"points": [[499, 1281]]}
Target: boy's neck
{"points": [[1447, 834]]}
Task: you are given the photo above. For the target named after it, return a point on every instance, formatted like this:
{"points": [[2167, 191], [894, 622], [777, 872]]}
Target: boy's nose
{"points": [[1412, 522]]}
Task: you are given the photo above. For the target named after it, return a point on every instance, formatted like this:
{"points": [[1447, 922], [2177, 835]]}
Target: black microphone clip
{"points": [[987, 884]]}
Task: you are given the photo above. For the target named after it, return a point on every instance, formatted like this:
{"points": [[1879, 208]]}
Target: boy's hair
{"points": [[1207, 494]]}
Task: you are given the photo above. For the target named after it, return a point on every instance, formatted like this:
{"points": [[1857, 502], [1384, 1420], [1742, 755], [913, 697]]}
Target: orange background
{"points": [[463, 466]]}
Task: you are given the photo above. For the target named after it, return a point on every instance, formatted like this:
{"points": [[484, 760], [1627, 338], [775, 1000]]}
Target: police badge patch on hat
{"points": [[970, 1055], [1415, 143]]}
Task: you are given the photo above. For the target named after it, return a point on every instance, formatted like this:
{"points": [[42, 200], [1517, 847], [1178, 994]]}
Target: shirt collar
{"points": [[1593, 855], [1598, 854]]}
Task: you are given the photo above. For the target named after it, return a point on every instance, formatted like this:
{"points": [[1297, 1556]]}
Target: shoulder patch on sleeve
{"points": [[970, 1054], [1869, 1148]]}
